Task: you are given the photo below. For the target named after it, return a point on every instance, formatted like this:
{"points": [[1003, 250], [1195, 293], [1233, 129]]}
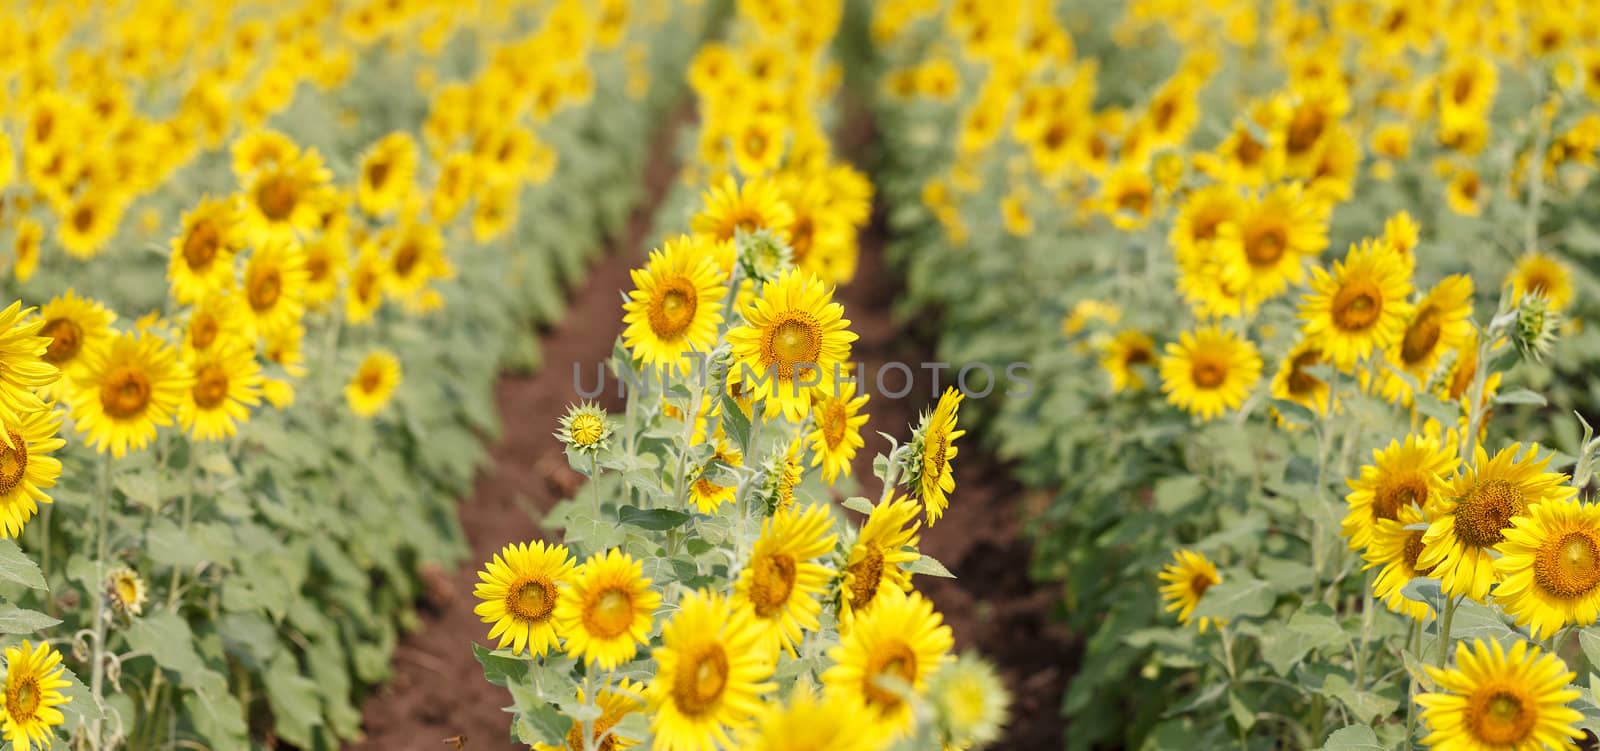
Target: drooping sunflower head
{"points": [[1187, 578], [226, 383], [873, 564], [731, 208], [781, 582], [607, 610], [676, 305], [202, 253], [1499, 698], [27, 469], [711, 670], [131, 385], [1209, 371], [1358, 308], [585, 428], [33, 694], [1401, 475], [1544, 275], [373, 383], [519, 590], [794, 342], [1294, 381], [889, 655], [126, 591], [1125, 357], [1550, 567], [933, 450]]}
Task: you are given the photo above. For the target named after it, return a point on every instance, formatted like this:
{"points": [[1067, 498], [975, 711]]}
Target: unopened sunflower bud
{"points": [[969, 702], [764, 255], [585, 428], [1536, 327]]}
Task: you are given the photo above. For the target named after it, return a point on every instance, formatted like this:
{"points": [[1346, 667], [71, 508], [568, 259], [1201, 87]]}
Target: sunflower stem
{"points": [[98, 666], [1530, 229], [1366, 632], [594, 482], [185, 514], [1414, 644], [1444, 629], [44, 558]]}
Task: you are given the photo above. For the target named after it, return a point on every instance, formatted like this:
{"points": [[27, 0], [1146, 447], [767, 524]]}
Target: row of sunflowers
{"points": [[724, 580], [268, 260], [1306, 292]]}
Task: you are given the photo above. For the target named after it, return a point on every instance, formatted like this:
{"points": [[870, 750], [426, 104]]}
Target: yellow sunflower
{"points": [[1124, 356], [758, 143], [1187, 579], [1396, 549], [1265, 249], [873, 566], [519, 590], [90, 220], [731, 208], [1549, 567], [27, 469], [794, 342], [126, 591], [415, 251], [387, 171], [202, 253], [281, 199], [1292, 382], [1439, 323], [615, 704], [706, 495], [130, 386], [889, 651], [712, 667], [1542, 274], [33, 693], [261, 149], [23, 350], [1401, 235], [227, 383], [934, 450], [1476, 511], [837, 435], [326, 257], [1202, 218], [1495, 699], [606, 611], [368, 282], [1209, 371], [1360, 307], [1127, 197], [74, 325], [782, 581], [675, 307], [1465, 194], [373, 383], [217, 319], [1400, 475], [808, 721], [275, 287], [26, 247]]}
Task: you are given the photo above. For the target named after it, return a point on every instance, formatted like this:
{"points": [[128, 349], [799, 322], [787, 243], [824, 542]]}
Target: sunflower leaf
{"points": [[1590, 641], [735, 424], [16, 566], [1521, 396], [858, 504], [656, 519], [1236, 597], [930, 566], [1353, 738], [15, 620]]}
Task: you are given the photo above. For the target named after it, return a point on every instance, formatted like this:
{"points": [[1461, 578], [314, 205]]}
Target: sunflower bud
{"points": [[968, 701], [1536, 327], [763, 255], [585, 428], [126, 591]]}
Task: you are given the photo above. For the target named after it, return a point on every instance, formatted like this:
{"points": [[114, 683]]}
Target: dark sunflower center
{"points": [[66, 338], [532, 600], [1485, 512], [834, 422], [1208, 373], [1500, 718], [771, 581], [13, 463], [868, 574], [125, 392], [378, 173], [1397, 494], [1305, 129], [674, 309], [1357, 305], [203, 330], [210, 386], [83, 218], [609, 613], [894, 660], [276, 197], [1302, 383], [266, 285], [1421, 336], [795, 339], [22, 700], [201, 245], [406, 258], [1265, 245], [697, 687]]}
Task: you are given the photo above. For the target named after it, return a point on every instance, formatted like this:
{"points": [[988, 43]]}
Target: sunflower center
{"points": [[1486, 511], [1056, 136], [1199, 583], [377, 173], [370, 380], [532, 600], [587, 429], [1412, 551], [895, 660], [1421, 336], [1568, 566], [1138, 354], [13, 463], [1397, 494], [797, 338], [1266, 245], [834, 421], [755, 142], [277, 197], [868, 574], [675, 305], [575, 736], [1462, 90], [210, 386], [1538, 284], [1134, 199], [125, 392], [1207, 372], [266, 286], [801, 235], [1305, 129], [200, 247], [1499, 717], [203, 330], [405, 259], [66, 338], [1302, 383], [610, 613], [1357, 305], [1250, 151], [1465, 371], [318, 266], [935, 454], [22, 700], [83, 218], [697, 687], [771, 581]]}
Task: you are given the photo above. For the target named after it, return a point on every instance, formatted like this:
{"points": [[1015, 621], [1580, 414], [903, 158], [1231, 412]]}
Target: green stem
{"points": [[102, 543], [1444, 629], [1366, 632], [44, 558], [188, 502], [1414, 643], [594, 482]]}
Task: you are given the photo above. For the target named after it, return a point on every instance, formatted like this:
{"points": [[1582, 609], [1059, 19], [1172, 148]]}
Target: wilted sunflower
{"points": [[1209, 371], [1360, 307], [808, 721], [33, 693], [1550, 567], [126, 590], [606, 611], [519, 590], [227, 383], [1124, 355], [1187, 579], [873, 565], [373, 383], [202, 253], [1402, 474], [1495, 699], [731, 208], [794, 334], [386, 174], [712, 667], [837, 435], [1542, 274], [890, 650], [1477, 510], [932, 450], [676, 305], [27, 469], [1439, 323], [1396, 549], [130, 386], [274, 287], [615, 704], [782, 581], [74, 325]]}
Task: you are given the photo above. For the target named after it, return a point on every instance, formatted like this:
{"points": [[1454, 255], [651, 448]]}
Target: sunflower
{"points": [[1465, 193], [837, 434], [275, 287], [969, 702], [891, 649], [26, 247], [1542, 274], [74, 325], [1439, 323], [368, 282], [1264, 250], [711, 670], [809, 721], [326, 257], [261, 149], [281, 200], [24, 350], [794, 342], [130, 386], [782, 581], [1127, 197], [415, 251], [27, 469], [933, 449], [1401, 235], [1495, 699], [386, 174], [731, 208], [1124, 356], [606, 611], [227, 383], [875, 558], [453, 188], [89, 221], [202, 253], [1209, 370], [1395, 549], [1400, 475], [373, 383], [1202, 218], [1293, 383], [676, 305], [33, 691], [584, 428], [1549, 567], [615, 704], [126, 591], [1477, 510], [1359, 307], [1187, 579], [758, 143], [706, 495], [519, 590]]}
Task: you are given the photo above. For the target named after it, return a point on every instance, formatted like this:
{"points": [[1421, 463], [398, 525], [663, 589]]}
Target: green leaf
{"points": [[549, 725], [1236, 597], [167, 638], [294, 700], [1318, 630], [656, 519], [15, 620], [1353, 738], [1174, 493], [16, 566], [1242, 714], [217, 715], [735, 424], [1590, 641], [926, 564], [858, 504], [499, 668], [1363, 705], [139, 488], [1520, 396]]}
